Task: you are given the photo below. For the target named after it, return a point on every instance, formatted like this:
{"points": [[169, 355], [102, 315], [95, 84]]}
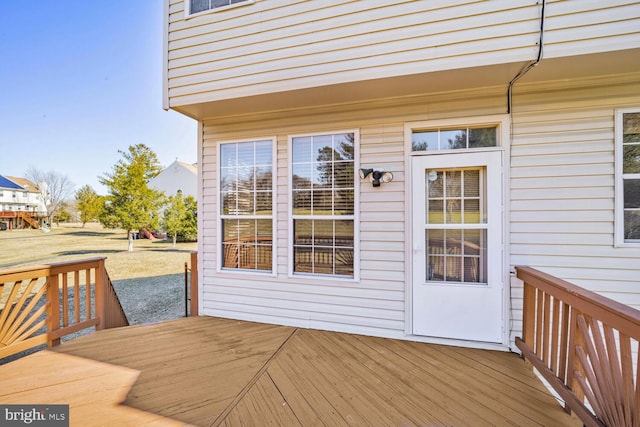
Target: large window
{"points": [[196, 6], [628, 168], [322, 204], [246, 205]]}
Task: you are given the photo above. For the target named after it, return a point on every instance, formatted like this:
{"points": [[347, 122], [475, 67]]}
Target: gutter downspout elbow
{"points": [[531, 64]]}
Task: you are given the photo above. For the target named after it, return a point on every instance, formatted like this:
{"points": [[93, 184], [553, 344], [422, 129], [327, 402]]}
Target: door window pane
{"points": [[454, 139], [425, 141], [453, 196], [456, 255], [482, 137]]}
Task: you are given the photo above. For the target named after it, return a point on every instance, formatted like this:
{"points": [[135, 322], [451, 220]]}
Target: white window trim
{"points": [[314, 277], [274, 211], [188, 14], [499, 120], [619, 189]]}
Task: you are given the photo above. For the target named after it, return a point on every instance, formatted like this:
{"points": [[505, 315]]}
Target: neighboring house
{"points": [[178, 176], [511, 129], [21, 204]]}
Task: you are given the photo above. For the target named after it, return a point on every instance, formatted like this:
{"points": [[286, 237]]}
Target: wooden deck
{"points": [[216, 372]]}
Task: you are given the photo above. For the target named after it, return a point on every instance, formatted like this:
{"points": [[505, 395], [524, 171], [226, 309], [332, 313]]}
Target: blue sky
{"points": [[80, 80]]}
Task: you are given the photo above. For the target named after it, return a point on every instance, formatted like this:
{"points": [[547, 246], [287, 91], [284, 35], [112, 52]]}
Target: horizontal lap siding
{"points": [[562, 188], [376, 304], [273, 46], [588, 26]]}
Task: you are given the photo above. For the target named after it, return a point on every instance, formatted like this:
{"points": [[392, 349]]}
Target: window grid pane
{"points": [[631, 176], [202, 5], [454, 197], [246, 200], [456, 255], [323, 186]]}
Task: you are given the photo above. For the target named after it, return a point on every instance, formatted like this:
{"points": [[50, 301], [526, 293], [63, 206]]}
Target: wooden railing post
{"points": [[100, 294], [529, 311], [53, 309], [194, 284]]}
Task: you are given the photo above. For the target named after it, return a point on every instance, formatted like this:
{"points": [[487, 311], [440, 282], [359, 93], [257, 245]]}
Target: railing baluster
{"points": [[76, 296], [546, 336], [626, 364], [556, 325], [564, 343], [26, 317], [614, 368], [65, 301], [539, 328], [87, 288]]}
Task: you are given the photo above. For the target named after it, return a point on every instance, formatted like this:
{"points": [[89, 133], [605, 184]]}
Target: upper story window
{"points": [[454, 138], [246, 205], [197, 6], [628, 176], [322, 204]]}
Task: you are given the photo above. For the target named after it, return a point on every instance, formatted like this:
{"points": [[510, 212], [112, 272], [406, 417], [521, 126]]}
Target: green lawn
{"points": [[73, 242]]}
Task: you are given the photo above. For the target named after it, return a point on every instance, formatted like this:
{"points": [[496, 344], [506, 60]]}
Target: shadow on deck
{"points": [[209, 371]]}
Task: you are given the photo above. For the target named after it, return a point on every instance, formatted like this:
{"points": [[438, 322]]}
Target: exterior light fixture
{"points": [[365, 173], [376, 177]]}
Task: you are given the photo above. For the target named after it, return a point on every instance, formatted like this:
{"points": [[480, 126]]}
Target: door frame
{"points": [[504, 142]]}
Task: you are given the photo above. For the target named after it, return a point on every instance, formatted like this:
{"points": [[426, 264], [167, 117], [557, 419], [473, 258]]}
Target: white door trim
{"points": [[504, 144]]}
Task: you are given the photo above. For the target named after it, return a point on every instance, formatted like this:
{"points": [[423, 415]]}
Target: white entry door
{"points": [[457, 260]]}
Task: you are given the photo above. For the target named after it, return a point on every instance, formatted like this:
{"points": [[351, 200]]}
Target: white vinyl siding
{"points": [[561, 203], [563, 188], [278, 45], [374, 303]]}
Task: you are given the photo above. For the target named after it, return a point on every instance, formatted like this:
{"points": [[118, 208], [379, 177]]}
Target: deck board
{"points": [[207, 371]]}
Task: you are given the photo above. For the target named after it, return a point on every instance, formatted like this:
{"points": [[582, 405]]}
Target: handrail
{"points": [[584, 345], [41, 296]]}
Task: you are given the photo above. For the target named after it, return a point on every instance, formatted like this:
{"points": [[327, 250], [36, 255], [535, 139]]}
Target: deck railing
{"points": [[585, 345], [41, 304]]}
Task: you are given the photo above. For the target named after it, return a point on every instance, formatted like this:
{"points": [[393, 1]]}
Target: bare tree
{"points": [[54, 188]]}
